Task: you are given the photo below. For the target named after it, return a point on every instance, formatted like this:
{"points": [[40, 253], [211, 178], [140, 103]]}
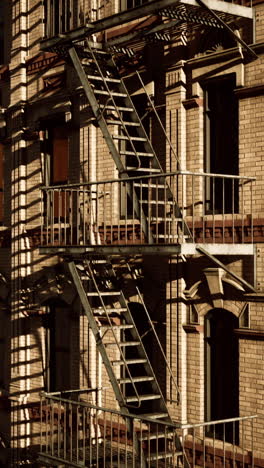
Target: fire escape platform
{"points": [[149, 249], [188, 11]]}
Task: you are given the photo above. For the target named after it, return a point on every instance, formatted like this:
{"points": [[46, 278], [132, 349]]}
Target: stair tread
{"points": [[158, 202], [139, 153], [121, 327], [99, 78], [130, 361], [162, 455], [154, 415], [126, 138], [103, 293], [155, 186], [156, 435], [126, 123], [143, 169], [143, 378], [146, 396], [106, 93], [96, 51], [121, 108], [124, 343], [109, 310]]}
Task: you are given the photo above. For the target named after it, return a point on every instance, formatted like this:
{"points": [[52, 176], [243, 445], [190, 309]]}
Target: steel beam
{"points": [[191, 248], [222, 265], [238, 39]]}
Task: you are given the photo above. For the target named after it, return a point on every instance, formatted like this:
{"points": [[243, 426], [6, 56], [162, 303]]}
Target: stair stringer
{"points": [[115, 385]]}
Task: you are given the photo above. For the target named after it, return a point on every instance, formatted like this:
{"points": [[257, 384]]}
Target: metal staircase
{"points": [[113, 109], [123, 353], [127, 141]]}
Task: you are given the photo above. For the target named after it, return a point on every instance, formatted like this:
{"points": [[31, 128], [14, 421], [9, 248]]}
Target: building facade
{"points": [[131, 209]]}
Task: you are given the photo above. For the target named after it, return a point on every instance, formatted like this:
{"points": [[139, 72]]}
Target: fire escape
{"points": [[100, 247]]}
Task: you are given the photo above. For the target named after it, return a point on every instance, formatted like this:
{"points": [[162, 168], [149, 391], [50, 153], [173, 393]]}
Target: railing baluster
{"points": [[77, 434], [213, 210], [83, 207], [251, 212], [193, 213], [252, 440], [243, 214], [149, 209], [214, 443], [243, 450], [233, 211], [84, 434], [111, 212], [234, 444], [194, 447], [224, 428], [52, 427], [182, 210], [91, 429], [203, 208], [223, 223], [104, 215], [97, 437], [204, 447], [41, 424], [133, 211]]}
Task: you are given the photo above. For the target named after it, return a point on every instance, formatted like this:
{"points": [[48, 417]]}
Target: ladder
{"points": [[123, 353]]}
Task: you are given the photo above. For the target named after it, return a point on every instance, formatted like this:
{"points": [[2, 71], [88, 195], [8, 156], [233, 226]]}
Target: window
{"points": [[2, 58], [56, 150], [1, 183], [58, 16], [58, 347], [127, 4], [222, 370], [244, 318], [193, 315], [221, 143]]}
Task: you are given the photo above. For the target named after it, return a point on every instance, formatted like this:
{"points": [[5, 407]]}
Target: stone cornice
{"points": [[250, 91]]}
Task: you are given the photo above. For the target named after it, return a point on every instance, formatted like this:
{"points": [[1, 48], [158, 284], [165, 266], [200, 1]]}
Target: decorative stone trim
{"points": [[250, 91], [193, 102], [189, 328], [249, 334], [42, 62]]}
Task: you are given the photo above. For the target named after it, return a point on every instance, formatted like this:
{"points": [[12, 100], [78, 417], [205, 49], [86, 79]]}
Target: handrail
{"points": [[138, 416], [113, 411], [157, 339], [161, 349], [218, 421], [113, 102], [158, 118], [114, 335], [152, 176]]}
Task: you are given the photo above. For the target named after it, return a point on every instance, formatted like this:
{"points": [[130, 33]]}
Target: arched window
{"points": [[222, 369]]}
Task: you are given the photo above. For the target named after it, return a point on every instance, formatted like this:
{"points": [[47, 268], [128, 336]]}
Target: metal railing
{"points": [[142, 210], [78, 433]]}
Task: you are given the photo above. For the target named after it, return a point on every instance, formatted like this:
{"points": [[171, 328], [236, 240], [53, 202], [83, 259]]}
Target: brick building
{"points": [[131, 209]]}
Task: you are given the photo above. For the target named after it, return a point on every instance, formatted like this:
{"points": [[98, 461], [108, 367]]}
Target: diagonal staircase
{"points": [[128, 142], [113, 108], [124, 356]]}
